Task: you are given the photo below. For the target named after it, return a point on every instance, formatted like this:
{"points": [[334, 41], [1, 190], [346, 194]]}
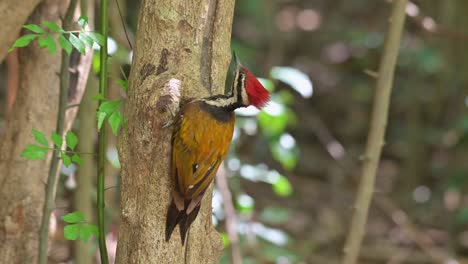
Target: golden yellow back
{"points": [[200, 143]]}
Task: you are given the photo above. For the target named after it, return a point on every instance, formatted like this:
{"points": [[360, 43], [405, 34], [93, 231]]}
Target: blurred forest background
{"points": [[293, 168]]}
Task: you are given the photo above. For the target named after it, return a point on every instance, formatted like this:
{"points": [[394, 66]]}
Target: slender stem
{"points": [[102, 139], [51, 179], [231, 221], [375, 140], [73, 152]]}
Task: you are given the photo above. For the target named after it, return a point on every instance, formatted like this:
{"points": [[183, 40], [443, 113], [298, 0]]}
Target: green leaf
{"points": [[71, 232], [82, 21], [34, 28], [77, 43], [282, 187], [114, 121], [52, 26], [85, 232], [66, 159], [76, 159], [71, 139], [123, 84], [86, 39], [100, 119], [109, 107], [57, 139], [65, 44], [74, 217], [226, 241], [98, 38], [94, 230], [24, 41], [40, 137], [34, 152], [99, 97], [47, 42]]}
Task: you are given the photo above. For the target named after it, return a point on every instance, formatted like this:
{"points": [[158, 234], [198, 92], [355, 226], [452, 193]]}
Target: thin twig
{"points": [[376, 133], [231, 221], [51, 179], [101, 165], [123, 24]]}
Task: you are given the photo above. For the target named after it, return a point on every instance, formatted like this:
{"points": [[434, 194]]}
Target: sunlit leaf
{"points": [[94, 230], [57, 139], [23, 41], [52, 26], [77, 43], [65, 159], [65, 44], [109, 107], [85, 232], [96, 63], [288, 157], [225, 238], [82, 21], [40, 137], [74, 217], [34, 28], [71, 139], [98, 38], [86, 39], [114, 121], [33, 152], [71, 232], [245, 203], [100, 119], [76, 159], [47, 42], [282, 187]]}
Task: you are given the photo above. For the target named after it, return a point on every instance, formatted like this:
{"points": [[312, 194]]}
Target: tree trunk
{"points": [[22, 181], [182, 47]]}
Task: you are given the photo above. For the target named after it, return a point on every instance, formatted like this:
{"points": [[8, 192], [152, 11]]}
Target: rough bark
{"points": [[181, 46], [14, 14], [36, 106], [22, 181]]}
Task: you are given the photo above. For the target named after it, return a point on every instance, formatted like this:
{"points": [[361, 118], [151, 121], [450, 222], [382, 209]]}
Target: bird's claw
{"points": [[170, 122]]}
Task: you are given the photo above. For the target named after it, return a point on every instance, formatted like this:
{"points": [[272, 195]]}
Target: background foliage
{"points": [[293, 166]]}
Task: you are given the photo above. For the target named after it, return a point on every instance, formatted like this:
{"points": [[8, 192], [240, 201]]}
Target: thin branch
{"points": [[231, 222], [51, 179], [102, 139], [123, 24], [376, 133]]}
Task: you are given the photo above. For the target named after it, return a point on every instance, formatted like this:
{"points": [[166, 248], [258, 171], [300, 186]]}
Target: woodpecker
{"points": [[202, 134]]}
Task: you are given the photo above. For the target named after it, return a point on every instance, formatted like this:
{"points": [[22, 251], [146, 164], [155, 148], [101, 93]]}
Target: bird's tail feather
{"points": [[175, 216], [186, 221]]}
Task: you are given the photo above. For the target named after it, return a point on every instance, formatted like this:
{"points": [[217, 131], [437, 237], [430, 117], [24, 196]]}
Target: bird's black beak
{"points": [[236, 60]]}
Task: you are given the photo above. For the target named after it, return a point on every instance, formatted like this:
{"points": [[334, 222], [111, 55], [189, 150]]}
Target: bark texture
{"points": [[182, 49], [22, 181], [14, 14]]}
